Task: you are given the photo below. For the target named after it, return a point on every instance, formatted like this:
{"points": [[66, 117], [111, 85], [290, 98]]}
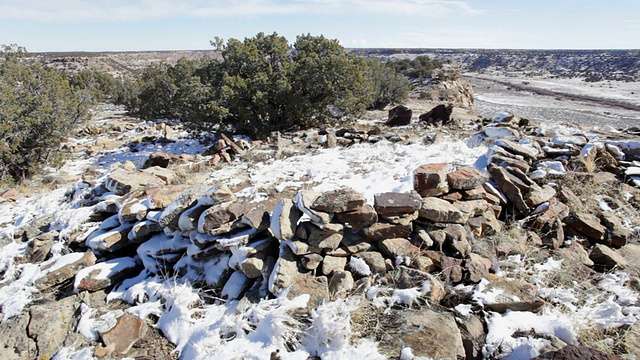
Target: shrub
{"points": [[100, 85], [38, 108], [262, 84]]}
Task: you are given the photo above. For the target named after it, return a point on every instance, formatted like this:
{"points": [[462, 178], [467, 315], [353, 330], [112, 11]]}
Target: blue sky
{"points": [[118, 25]]}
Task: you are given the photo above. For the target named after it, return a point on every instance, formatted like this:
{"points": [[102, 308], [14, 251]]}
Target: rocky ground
{"points": [[503, 238]]}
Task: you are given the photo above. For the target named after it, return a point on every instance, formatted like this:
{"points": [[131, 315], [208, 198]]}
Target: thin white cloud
{"points": [[120, 10]]}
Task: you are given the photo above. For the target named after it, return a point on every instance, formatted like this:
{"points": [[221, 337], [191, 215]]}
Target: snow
{"points": [[359, 266]]}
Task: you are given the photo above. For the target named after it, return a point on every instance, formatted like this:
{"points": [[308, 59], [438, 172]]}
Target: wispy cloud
{"points": [[121, 10]]}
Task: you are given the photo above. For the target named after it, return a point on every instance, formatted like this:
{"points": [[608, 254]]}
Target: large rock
{"points": [[517, 149], [618, 234], [15, 342], [537, 195], [607, 258], [588, 225], [110, 241], [158, 158], [466, 178], [51, 323], [399, 247], [128, 330], [304, 199], [104, 274], [512, 295], [328, 237], [509, 187], [374, 260], [182, 201], [631, 254], [431, 179], [438, 210], [64, 268], [220, 214], [381, 231], [331, 264], [339, 200], [428, 333], [576, 352], [121, 181], [285, 272], [392, 203], [399, 116], [315, 286], [359, 218], [284, 220]]}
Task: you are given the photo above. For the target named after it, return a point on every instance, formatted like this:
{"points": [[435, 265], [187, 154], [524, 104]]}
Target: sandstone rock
{"points": [[128, 330], [328, 237], [537, 195], [575, 254], [381, 231], [485, 225], [339, 200], [341, 283], [302, 248], [143, 230], [452, 270], [631, 340], [477, 268], [359, 218], [160, 198], [354, 242], [575, 352], [556, 210], [257, 218], [473, 335], [38, 249], [456, 243], [330, 264], [252, 267], [304, 199], [631, 255], [64, 268], [158, 158], [431, 179], [512, 295], [466, 178], [618, 234], [134, 207], [569, 197], [399, 247], [166, 175], [188, 220], [220, 193], [505, 161], [110, 241], [430, 334], [172, 211], [285, 272], [588, 225], [399, 116], [396, 203], [374, 260], [477, 193], [517, 149], [311, 261], [316, 287], [50, 323], [284, 220], [104, 274], [508, 186], [236, 286], [553, 234], [218, 215], [121, 182], [15, 342], [438, 210]]}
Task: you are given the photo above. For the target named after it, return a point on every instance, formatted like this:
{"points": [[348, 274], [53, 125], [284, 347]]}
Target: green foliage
{"points": [[421, 67], [263, 84], [38, 109], [101, 85]]}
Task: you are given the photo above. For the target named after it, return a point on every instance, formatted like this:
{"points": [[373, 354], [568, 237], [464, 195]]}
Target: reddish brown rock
{"points": [[381, 231], [466, 178], [509, 187], [374, 260], [157, 158], [128, 330], [399, 247], [575, 352], [588, 225], [64, 268], [359, 218], [396, 203], [438, 210], [607, 258], [431, 179]]}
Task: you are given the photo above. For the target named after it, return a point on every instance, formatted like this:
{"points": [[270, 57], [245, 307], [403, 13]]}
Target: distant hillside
{"points": [[590, 65]]}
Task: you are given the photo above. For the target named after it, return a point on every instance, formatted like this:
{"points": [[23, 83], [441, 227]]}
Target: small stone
{"points": [[341, 283], [359, 218], [438, 210], [396, 203], [381, 231], [399, 247], [252, 267], [311, 261]]}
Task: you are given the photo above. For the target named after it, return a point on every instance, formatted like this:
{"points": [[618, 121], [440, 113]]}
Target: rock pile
{"points": [[333, 244]]}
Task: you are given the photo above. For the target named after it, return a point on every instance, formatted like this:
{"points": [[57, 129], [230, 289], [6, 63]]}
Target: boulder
{"points": [[285, 272], [166, 175], [537, 195], [102, 275], [588, 225], [50, 323], [172, 211], [477, 268], [331, 264], [315, 286], [431, 179], [220, 214], [158, 158], [399, 116], [438, 115], [328, 237]]}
